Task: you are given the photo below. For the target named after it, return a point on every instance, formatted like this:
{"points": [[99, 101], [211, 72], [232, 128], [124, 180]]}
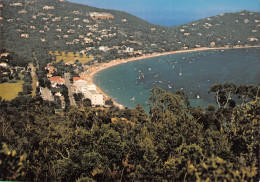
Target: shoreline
{"points": [[102, 66]]}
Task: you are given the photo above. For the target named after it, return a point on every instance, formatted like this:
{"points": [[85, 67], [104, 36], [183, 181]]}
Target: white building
{"points": [[90, 92], [78, 84], [4, 65], [103, 48], [95, 97]]}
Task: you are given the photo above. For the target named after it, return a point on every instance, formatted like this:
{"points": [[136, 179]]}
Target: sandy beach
{"points": [[92, 70]]}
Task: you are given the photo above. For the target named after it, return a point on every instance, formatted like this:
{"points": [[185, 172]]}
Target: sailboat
{"points": [[132, 99], [180, 72]]}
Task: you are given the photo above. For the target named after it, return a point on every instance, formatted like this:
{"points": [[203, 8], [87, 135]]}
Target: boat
{"points": [[173, 67], [156, 75], [180, 72], [198, 97], [132, 99]]}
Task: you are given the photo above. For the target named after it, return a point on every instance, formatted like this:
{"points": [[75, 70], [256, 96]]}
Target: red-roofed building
{"points": [[57, 80], [51, 69], [78, 83], [76, 79]]}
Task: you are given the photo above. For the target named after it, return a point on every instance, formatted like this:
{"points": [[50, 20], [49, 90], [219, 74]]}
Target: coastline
{"points": [[102, 66]]}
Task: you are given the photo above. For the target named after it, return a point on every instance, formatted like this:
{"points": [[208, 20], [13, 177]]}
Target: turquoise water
{"points": [[199, 71]]}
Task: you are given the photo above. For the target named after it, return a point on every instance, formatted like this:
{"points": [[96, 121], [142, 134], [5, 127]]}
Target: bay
{"points": [[194, 72]]}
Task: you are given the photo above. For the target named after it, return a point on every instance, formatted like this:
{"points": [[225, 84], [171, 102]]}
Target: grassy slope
{"points": [[71, 58], [9, 91]]}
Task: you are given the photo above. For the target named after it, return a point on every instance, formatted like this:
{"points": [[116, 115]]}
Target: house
{"points": [[212, 44], [48, 8], [16, 4], [102, 16], [25, 35], [5, 56], [76, 12], [103, 48], [4, 65], [252, 39], [22, 12], [50, 68], [57, 80]]}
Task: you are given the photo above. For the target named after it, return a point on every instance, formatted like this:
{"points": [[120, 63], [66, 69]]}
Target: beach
{"points": [[94, 69]]}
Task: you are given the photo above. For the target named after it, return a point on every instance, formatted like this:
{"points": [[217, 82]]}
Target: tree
{"points": [[223, 93], [12, 165]]}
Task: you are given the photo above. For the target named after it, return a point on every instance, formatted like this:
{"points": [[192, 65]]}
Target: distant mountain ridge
{"points": [[57, 25]]}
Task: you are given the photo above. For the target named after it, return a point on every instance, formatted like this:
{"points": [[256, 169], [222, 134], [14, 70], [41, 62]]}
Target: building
{"points": [[95, 97], [5, 56], [25, 35], [78, 84], [90, 91], [103, 48], [50, 68], [16, 4], [57, 80], [48, 8], [4, 65], [101, 16]]}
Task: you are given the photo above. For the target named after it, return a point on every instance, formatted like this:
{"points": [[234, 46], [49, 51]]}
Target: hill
{"points": [[57, 25]]}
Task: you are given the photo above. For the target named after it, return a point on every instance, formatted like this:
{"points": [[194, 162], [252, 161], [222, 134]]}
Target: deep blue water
{"points": [[200, 70]]}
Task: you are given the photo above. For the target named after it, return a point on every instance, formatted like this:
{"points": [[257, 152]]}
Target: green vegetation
{"points": [[176, 142]]}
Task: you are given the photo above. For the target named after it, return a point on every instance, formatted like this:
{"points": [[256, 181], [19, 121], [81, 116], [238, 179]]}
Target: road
{"points": [[35, 82], [68, 85]]}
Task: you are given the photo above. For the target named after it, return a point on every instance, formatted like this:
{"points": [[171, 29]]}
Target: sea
{"points": [[130, 83]]}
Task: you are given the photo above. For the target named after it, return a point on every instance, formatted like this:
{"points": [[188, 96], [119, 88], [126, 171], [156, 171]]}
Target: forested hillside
{"points": [[176, 142], [57, 25]]}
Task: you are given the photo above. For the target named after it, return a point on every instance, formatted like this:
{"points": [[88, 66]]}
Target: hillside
{"points": [[57, 25]]}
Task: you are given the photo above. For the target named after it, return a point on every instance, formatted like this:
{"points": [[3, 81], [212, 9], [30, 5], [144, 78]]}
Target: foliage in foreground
{"points": [[175, 143]]}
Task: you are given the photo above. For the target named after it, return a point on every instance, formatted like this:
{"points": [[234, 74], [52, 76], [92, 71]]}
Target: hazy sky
{"points": [[174, 12]]}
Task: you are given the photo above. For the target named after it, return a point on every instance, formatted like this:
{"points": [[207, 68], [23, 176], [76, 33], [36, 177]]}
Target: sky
{"points": [[174, 12]]}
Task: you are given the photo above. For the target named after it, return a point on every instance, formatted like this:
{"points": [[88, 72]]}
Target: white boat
{"points": [[180, 72], [173, 67], [198, 97], [132, 99]]}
